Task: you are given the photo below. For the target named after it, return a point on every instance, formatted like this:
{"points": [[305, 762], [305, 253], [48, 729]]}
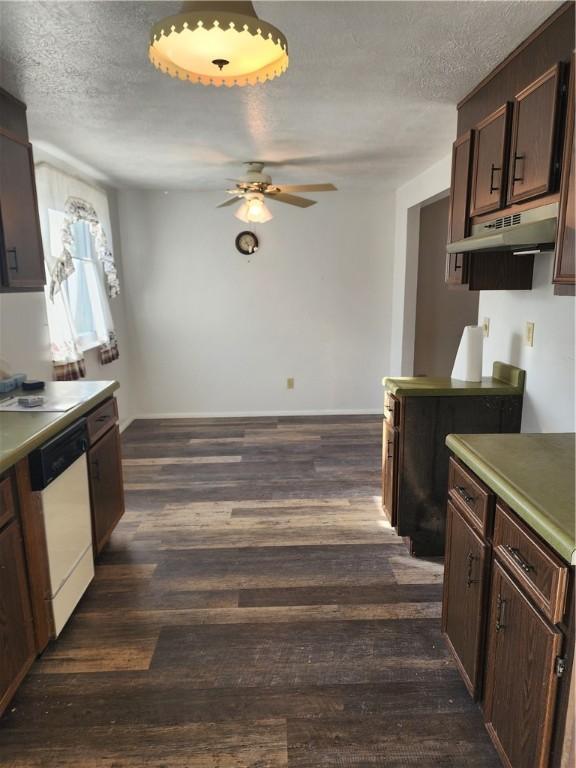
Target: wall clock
{"points": [[247, 243]]}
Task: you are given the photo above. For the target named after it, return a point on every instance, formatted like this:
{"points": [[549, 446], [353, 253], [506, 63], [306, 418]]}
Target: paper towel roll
{"points": [[468, 363]]}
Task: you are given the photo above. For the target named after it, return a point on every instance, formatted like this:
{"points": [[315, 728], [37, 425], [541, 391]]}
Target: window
{"points": [[83, 291]]}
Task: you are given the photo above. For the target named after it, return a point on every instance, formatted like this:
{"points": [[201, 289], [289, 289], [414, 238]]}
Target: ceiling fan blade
{"points": [[282, 197], [231, 201], [306, 187]]}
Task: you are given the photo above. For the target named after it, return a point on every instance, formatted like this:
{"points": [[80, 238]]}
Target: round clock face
{"points": [[247, 243]]}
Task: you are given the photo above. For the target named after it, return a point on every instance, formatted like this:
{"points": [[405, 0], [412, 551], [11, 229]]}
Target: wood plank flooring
{"points": [[252, 610]]}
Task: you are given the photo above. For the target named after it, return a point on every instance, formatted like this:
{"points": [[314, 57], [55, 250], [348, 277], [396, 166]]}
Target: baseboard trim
{"points": [[256, 414], [125, 424]]}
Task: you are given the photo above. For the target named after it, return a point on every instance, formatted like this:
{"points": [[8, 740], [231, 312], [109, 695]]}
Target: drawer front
{"points": [[102, 419], [540, 573], [7, 506], [471, 495], [391, 410]]}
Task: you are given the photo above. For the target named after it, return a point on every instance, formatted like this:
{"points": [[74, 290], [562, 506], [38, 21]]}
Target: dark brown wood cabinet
{"points": [[490, 165], [466, 584], [565, 257], [459, 209], [520, 675], [534, 138], [509, 622], [106, 487], [17, 644], [389, 454], [21, 254]]}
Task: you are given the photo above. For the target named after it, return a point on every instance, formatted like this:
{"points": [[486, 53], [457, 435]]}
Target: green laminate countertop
{"points": [[505, 380], [534, 474], [22, 432]]}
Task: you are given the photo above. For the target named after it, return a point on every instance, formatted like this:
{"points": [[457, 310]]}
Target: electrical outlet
{"points": [[486, 327], [290, 383], [529, 336]]}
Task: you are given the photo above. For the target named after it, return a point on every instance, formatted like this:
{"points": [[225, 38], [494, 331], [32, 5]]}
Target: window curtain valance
{"points": [[79, 201]]}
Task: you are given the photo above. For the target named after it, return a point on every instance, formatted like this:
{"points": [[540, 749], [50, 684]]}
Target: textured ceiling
{"points": [[369, 95]]}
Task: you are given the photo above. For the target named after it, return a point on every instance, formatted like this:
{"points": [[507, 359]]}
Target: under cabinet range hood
{"points": [[527, 232]]}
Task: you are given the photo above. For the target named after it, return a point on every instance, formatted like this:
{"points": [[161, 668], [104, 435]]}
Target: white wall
{"points": [[425, 188], [25, 343], [215, 332], [549, 364]]}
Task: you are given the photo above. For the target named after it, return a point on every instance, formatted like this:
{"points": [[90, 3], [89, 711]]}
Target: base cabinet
{"points": [[510, 625], [466, 584], [520, 675], [17, 646], [106, 491]]}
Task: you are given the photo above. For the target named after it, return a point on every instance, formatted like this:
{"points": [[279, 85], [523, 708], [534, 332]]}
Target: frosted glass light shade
{"points": [[218, 43], [253, 210]]}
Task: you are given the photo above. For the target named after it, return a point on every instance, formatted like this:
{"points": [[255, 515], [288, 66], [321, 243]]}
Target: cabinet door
{"points": [[389, 452], [534, 138], [520, 678], [565, 261], [463, 600], [16, 631], [490, 165], [106, 488], [459, 209], [21, 244]]}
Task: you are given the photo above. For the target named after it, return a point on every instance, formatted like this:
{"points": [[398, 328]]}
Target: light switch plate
{"points": [[290, 383], [529, 334], [486, 327]]}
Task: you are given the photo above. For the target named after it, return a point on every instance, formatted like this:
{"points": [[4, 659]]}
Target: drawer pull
{"points": [[463, 493], [100, 419], [500, 605], [388, 454], [469, 579], [514, 553]]}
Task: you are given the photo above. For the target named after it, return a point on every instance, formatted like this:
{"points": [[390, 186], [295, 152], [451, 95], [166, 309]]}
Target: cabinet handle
{"points": [[500, 605], [100, 419], [456, 265], [493, 169], [463, 493], [469, 579], [13, 267], [388, 454], [514, 553], [96, 470], [514, 177]]}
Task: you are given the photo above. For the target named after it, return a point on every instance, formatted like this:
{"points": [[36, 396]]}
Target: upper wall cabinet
{"points": [[21, 255], [490, 161], [458, 212], [564, 264], [534, 138]]}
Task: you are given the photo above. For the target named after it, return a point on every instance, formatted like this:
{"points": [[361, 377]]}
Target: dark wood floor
{"points": [[252, 609]]}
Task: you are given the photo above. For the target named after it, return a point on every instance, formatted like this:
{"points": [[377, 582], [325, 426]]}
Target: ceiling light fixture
{"points": [[254, 210], [218, 43]]}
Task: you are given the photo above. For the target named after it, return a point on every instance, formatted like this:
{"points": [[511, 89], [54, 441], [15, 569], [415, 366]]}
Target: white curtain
{"points": [[63, 201]]}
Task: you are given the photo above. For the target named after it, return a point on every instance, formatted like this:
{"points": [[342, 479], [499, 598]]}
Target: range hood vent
{"points": [[530, 231]]}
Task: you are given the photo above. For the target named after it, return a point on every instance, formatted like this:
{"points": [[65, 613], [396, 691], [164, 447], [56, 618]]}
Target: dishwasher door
{"points": [[68, 525]]}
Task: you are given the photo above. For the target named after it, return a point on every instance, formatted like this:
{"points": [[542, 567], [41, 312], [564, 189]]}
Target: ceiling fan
{"points": [[256, 186]]}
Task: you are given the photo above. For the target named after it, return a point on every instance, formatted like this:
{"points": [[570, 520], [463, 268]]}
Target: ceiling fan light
{"points": [[218, 43], [253, 210]]}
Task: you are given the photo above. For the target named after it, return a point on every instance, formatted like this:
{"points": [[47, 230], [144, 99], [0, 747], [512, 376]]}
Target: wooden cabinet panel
{"points": [[21, 253], [520, 679], [7, 508], [101, 419], [464, 590], [534, 138], [459, 209], [565, 260], [472, 494], [16, 633], [542, 575], [490, 165], [389, 454], [106, 487]]}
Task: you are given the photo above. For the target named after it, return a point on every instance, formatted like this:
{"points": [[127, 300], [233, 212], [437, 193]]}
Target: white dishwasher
{"points": [[59, 470]]}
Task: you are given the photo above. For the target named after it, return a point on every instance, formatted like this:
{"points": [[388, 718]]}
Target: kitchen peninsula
{"points": [[36, 596]]}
